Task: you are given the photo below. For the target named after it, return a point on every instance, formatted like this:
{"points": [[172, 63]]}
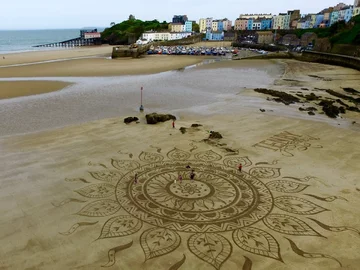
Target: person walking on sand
{"points": [[180, 178], [135, 178], [192, 175], [173, 123], [240, 167]]}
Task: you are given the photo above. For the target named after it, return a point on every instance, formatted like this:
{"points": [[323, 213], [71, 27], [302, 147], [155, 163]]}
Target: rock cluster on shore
{"points": [[332, 108], [154, 118]]}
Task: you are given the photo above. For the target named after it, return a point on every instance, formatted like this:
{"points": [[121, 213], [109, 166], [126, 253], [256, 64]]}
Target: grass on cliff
{"points": [[350, 34], [121, 33]]}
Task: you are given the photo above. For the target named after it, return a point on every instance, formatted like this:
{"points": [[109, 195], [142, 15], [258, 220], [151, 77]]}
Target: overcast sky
{"points": [[48, 14]]}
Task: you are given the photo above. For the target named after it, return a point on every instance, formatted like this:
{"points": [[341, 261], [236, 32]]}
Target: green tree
{"points": [[195, 27]]}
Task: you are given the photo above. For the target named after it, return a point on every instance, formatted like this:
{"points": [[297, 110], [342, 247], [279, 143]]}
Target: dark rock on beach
{"points": [[308, 109], [154, 118], [312, 96], [351, 90], [280, 96], [215, 135], [130, 119], [329, 109], [183, 130], [196, 125], [262, 110]]}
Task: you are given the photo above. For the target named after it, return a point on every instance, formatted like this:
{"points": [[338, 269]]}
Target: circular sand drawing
{"points": [[219, 199], [200, 211]]}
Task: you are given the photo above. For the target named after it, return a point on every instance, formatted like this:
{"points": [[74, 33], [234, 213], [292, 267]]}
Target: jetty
{"points": [[88, 37]]}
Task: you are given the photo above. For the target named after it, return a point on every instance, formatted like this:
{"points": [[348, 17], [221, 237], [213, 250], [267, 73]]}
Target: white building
{"points": [[155, 36], [175, 36]]}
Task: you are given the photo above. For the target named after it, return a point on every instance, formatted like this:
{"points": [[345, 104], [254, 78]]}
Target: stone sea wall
{"points": [[332, 59], [126, 51]]}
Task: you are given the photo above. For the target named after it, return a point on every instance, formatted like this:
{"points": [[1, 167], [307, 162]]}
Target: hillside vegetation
{"points": [[129, 31]]}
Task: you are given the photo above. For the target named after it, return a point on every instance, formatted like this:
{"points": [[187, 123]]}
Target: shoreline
{"points": [[46, 55]]}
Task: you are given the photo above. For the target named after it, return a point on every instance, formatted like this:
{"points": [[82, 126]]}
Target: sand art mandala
{"points": [[202, 210]]}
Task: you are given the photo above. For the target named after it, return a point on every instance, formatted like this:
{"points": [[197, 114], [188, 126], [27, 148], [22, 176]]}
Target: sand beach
{"points": [[67, 194]]}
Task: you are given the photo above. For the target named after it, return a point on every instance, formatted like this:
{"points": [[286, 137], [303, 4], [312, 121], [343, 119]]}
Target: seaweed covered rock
{"points": [[329, 109], [182, 130], [312, 96], [130, 119], [154, 118], [283, 97], [196, 125], [215, 135], [308, 109]]}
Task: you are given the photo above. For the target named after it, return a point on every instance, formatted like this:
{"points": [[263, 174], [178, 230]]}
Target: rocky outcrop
{"points": [[130, 119], [279, 96], [215, 135], [154, 118], [183, 130]]}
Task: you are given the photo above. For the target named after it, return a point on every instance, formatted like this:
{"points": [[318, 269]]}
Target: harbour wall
{"points": [[331, 59], [127, 51], [317, 57]]}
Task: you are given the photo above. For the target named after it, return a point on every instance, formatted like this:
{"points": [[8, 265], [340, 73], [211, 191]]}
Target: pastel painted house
{"points": [[215, 35], [278, 21], [214, 25], [266, 24], [334, 17], [220, 26], [241, 24], [256, 25], [318, 20], [176, 27], [250, 24], [356, 11], [202, 25], [188, 26], [227, 24], [348, 14]]}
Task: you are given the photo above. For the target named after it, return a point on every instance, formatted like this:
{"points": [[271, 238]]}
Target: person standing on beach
{"points": [[180, 178], [173, 123], [192, 175], [135, 178], [240, 167]]}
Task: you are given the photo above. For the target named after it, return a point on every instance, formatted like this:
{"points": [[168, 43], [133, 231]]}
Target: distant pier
{"points": [[88, 37]]}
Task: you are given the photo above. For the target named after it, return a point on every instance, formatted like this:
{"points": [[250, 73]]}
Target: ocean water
{"points": [[13, 41]]}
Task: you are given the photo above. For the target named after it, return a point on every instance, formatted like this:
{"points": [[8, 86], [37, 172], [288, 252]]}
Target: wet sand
{"points": [[38, 56], [27, 88], [68, 201], [102, 67]]}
